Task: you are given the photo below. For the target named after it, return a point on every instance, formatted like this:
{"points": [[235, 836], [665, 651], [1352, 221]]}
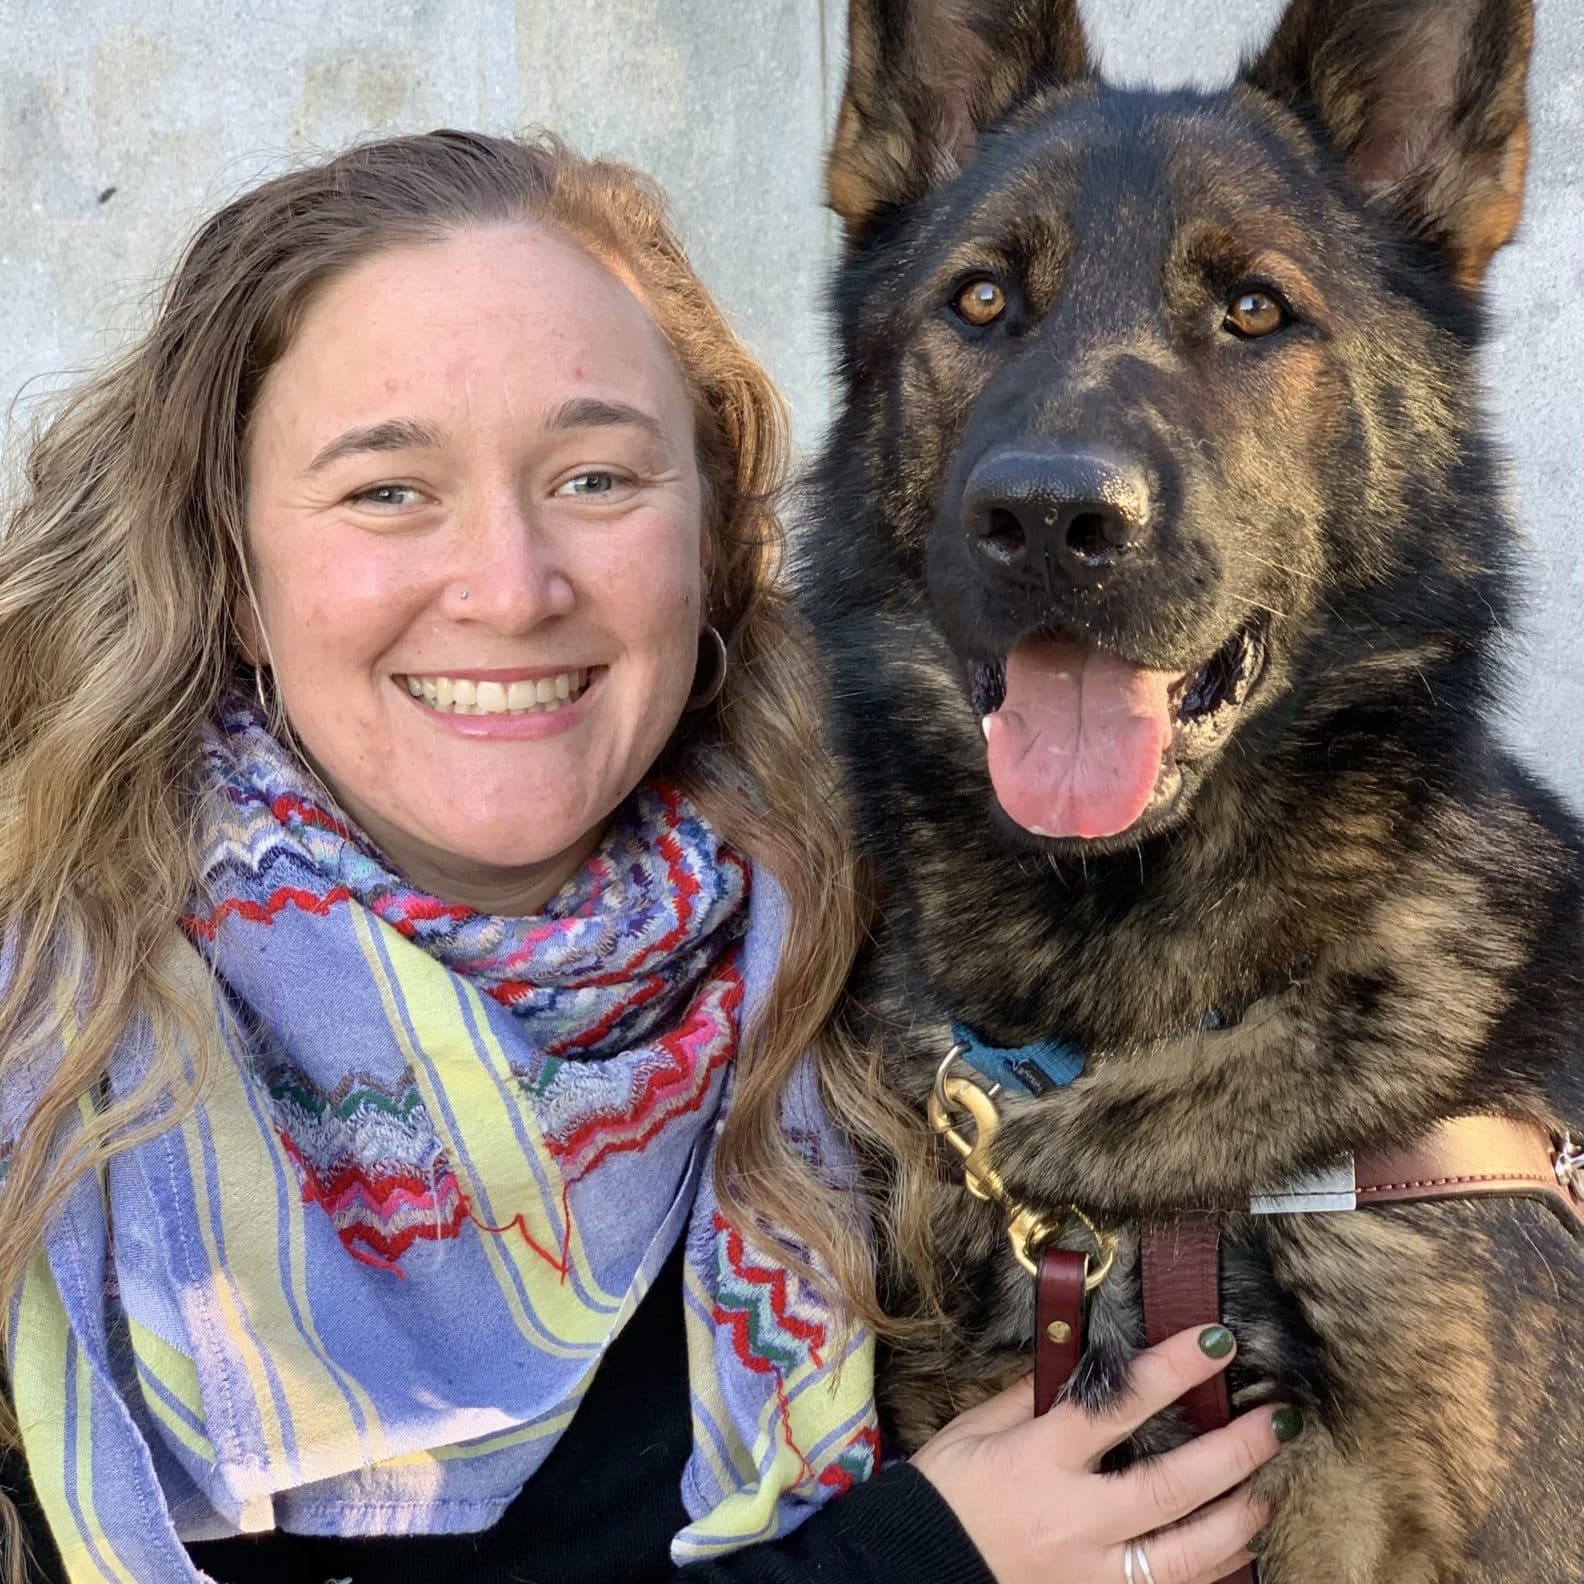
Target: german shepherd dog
{"points": [[1159, 566]]}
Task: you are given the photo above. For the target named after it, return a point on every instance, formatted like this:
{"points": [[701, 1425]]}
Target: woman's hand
{"points": [[1029, 1493]]}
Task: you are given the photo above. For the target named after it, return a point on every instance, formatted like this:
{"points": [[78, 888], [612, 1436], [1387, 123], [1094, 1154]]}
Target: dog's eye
{"points": [[1252, 314], [980, 302]]}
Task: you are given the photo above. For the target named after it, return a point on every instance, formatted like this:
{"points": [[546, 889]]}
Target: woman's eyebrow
{"points": [[394, 434], [409, 434], [592, 412]]}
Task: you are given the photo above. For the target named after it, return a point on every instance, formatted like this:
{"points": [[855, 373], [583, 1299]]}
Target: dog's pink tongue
{"points": [[1076, 748]]}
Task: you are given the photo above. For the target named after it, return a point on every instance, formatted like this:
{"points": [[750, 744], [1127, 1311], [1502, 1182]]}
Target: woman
{"points": [[410, 836]]}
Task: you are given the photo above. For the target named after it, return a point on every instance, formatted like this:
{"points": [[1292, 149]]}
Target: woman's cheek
{"points": [[359, 597], [663, 571]]}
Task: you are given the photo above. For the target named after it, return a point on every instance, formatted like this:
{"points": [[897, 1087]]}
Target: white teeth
{"points": [[460, 696]]}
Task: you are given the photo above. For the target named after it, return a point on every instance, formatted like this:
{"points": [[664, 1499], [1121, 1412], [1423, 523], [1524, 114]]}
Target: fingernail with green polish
{"points": [[1286, 1423], [1215, 1341]]}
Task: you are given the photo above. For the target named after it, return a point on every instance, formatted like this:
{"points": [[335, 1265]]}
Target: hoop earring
{"points": [[703, 697]]}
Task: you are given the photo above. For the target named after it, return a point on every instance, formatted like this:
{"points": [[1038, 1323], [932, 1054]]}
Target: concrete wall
{"points": [[123, 121]]}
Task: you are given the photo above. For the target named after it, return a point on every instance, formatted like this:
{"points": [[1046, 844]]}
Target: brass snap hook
{"points": [[1027, 1230], [956, 1094]]}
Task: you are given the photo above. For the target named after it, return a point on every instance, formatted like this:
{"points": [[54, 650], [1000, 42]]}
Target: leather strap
{"points": [[1180, 1272], [1466, 1158], [1180, 1255], [1058, 1322], [1180, 1269], [1462, 1158]]}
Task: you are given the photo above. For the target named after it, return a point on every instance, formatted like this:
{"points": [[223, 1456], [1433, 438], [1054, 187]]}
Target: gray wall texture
{"points": [[122, 122]]}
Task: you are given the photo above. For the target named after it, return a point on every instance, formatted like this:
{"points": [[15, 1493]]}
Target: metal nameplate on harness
{"points": [[1331, 1188]]}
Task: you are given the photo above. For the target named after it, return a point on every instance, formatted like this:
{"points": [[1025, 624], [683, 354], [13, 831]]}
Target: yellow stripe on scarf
{"points": [[484, 1152], [62, 1475]]}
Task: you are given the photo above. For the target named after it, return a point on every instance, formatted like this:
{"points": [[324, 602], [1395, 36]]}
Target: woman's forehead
{"points": [[518, 316]]}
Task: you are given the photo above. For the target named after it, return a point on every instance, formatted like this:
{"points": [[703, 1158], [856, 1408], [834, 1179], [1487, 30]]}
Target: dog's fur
{"points": [[1387, 903]]}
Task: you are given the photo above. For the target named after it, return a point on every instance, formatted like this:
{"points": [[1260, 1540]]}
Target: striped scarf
{"points": [[363, 1286]]}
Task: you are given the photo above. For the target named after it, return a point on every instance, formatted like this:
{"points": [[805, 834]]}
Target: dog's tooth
{"points": [[984, 726]]}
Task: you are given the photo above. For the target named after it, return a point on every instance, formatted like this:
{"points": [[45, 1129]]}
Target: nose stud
{"points": [[462, 594]]}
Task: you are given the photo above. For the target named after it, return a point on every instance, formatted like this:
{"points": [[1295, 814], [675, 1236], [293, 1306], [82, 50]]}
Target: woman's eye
{"points": [[595, 482], [1253, 314], [387, 495]]}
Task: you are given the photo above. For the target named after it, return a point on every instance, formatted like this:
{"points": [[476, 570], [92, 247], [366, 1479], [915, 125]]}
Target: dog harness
{"points": [[1465, 1157]]}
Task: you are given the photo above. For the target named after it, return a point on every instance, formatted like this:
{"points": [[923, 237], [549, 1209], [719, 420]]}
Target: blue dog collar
{"points": [[1036, 1069]]}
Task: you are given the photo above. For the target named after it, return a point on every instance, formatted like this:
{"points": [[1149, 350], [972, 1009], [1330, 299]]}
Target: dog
{"points": [[1158, 566]]}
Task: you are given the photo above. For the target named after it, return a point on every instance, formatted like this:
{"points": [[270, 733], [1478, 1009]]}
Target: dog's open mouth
{"points": [[1083, 743]]}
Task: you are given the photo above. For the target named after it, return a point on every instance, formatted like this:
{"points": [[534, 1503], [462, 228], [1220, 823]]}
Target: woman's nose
{"points": [[506, 570]]}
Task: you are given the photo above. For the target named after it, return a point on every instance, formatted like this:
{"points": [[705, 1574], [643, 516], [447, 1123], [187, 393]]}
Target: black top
{"points": [[603, 1507]]}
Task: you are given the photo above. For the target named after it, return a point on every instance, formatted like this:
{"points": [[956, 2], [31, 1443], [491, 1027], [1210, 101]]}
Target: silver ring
{"points": [[1145, 1576]]}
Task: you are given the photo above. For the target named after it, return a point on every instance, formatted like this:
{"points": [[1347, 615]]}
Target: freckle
{"points": [[577, 371]]}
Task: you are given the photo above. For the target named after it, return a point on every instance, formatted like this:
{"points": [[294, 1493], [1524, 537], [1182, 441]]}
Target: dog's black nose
{"points": [[1078, 512]]}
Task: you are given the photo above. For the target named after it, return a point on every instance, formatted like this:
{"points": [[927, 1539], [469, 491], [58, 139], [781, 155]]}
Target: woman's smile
{"points": [[513, 705]]}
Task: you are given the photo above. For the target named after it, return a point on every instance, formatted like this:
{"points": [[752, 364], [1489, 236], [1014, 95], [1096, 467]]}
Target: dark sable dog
{"points": [[1159, 565]]}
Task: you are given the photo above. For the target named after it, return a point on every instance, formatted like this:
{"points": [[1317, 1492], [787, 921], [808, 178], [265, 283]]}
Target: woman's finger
{"points": [[1162, 1489], [1012, 1406], [1157, 1377], [1197, 1551]]}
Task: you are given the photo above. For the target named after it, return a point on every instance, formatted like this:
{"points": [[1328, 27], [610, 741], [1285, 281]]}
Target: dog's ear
{"points": [[1426, 100], [925, 77]]}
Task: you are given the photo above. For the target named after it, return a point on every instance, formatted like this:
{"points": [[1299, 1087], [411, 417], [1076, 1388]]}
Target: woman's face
{"points": [[473, 509]]}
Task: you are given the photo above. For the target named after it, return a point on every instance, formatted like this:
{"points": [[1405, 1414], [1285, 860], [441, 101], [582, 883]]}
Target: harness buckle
{"points": [[1028, 1230]]}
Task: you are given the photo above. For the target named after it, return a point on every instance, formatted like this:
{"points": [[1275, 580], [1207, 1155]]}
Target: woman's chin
{"points": [[511, 864]]}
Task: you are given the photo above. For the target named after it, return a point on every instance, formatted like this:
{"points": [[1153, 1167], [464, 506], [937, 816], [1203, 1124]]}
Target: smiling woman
{"points": [[412, 832], [529, 511]]}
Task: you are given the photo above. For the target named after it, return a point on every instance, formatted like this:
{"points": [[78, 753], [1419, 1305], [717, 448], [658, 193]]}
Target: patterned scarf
{"points": [[362, 1288]]}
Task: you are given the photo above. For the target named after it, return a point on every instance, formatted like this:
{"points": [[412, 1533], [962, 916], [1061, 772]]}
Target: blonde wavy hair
{"points": [[122, 568]]}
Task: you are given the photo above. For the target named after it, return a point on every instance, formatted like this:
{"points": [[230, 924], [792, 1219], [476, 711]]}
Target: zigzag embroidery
{"points": [[855, 1463], [379, 1207], [693, 1054], [752, 1306], [414, 911], [378, 1218], [752, 1301], [315, 902]]}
